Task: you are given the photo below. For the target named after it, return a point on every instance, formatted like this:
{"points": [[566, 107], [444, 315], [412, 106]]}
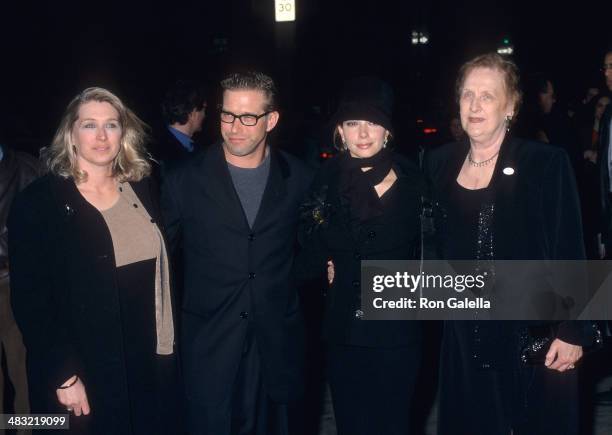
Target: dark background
{"points": [[52, 50]]}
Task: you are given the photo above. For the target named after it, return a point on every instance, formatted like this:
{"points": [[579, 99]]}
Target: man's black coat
{"points": [[236, 276]]}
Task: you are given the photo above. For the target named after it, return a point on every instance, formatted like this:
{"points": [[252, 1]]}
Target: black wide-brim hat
{"points": [[368, 99]]}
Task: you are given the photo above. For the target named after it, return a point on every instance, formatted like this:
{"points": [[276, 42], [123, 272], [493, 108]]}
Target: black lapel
{"points": [[275, 191], [218, 183], [451, 170], [503, 184]]}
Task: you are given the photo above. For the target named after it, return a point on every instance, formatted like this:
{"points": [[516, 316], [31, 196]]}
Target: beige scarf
{"points": [[163, 301]]}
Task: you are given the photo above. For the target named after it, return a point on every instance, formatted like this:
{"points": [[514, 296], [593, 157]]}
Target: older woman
{"points": [[502, 198], [364, 205], [89, 275]]}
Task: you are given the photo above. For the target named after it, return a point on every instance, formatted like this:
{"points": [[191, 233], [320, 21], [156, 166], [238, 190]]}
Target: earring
{"points": [[385, 142], [508, 121]]}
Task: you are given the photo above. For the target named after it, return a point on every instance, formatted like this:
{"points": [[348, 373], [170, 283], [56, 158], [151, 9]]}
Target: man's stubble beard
{"points": [[243, 152]]}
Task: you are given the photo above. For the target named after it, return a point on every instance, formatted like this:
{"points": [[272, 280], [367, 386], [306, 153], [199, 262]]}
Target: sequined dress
{"points": [[467, 363]]}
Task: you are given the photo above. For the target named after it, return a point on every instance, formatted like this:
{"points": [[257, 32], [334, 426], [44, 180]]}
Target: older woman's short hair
{"points": [[132, 161], [494, 61]]}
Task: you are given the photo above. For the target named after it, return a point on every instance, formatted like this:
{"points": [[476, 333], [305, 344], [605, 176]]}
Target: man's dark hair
{"points": [[252, 80], [182, 98]]}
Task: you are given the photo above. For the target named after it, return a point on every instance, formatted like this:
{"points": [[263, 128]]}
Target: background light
{"points": [[419, 38], [284, 10]]}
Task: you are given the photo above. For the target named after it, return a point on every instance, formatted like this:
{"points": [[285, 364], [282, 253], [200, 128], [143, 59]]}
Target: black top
{"points": [[465, 208], [332, 234]]}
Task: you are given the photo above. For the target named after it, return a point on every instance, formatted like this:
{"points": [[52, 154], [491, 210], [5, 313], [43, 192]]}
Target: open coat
{"points": [[66, 299], [235, 277]]}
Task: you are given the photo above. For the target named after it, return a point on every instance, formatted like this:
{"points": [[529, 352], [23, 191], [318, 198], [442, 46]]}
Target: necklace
{"points": [[482, 163]]}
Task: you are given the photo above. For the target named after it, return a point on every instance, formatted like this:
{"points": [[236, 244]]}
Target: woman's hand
{"points": [[562, 356], [330, 271], [74, 398]]}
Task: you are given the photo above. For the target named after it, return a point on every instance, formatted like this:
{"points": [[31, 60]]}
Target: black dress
{"points": [[150, 376], [466, 375], [372, 365]]}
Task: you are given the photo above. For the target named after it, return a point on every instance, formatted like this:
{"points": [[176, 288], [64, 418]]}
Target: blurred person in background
{"points": [[604, 158], [544, 120], [183, 111], [17, 170]]}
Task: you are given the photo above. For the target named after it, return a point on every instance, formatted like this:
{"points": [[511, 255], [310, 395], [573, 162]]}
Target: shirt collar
{"points": [[182, 138]]}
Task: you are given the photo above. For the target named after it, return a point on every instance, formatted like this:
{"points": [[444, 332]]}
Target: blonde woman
{"points": [[89, 275]]}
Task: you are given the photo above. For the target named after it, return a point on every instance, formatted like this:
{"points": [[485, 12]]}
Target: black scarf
{"points": [[358, 185]]}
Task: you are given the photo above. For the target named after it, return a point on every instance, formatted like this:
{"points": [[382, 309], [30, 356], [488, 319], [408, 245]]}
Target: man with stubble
{"points": [[233, 211]]}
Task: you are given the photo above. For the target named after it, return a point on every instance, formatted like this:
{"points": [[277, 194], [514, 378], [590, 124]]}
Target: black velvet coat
{"points": [[536, 217], [394, 235], [66, 299]]}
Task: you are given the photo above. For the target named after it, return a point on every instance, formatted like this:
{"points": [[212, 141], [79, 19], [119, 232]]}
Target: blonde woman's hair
{"points": [[132, 161]]}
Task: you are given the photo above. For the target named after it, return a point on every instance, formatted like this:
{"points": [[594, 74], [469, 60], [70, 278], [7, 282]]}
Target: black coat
{"points": [[484, 386], [537, 210], [394, 235], [235, 275], [168, 149], [66, 299]]}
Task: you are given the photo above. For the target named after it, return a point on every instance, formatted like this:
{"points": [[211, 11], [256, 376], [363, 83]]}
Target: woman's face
{"points": [[484, 105], [96, 135], [547, 98], [362, 138]]}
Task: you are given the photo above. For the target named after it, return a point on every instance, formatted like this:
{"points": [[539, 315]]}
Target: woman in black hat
{"points": [[364, 205]]}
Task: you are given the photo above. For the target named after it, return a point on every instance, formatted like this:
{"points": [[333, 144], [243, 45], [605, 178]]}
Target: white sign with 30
{"points": [[285, 10]]}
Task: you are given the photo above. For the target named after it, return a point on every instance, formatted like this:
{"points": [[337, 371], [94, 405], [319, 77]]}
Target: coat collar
{"points": [[505, 170], [71, 201], [221, 187], [502, 186]]}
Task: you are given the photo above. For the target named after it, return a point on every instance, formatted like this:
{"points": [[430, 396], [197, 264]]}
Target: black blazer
{"points": [[537, 210], [236, 277], [168, 148], [395, 235], [64, 295]]}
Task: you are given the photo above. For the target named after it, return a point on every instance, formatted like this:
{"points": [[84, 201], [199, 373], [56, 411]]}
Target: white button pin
{"points": [[508, 171]]}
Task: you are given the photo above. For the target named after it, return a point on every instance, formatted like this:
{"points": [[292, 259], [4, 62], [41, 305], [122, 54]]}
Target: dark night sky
{"points": [[52, 50]]}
